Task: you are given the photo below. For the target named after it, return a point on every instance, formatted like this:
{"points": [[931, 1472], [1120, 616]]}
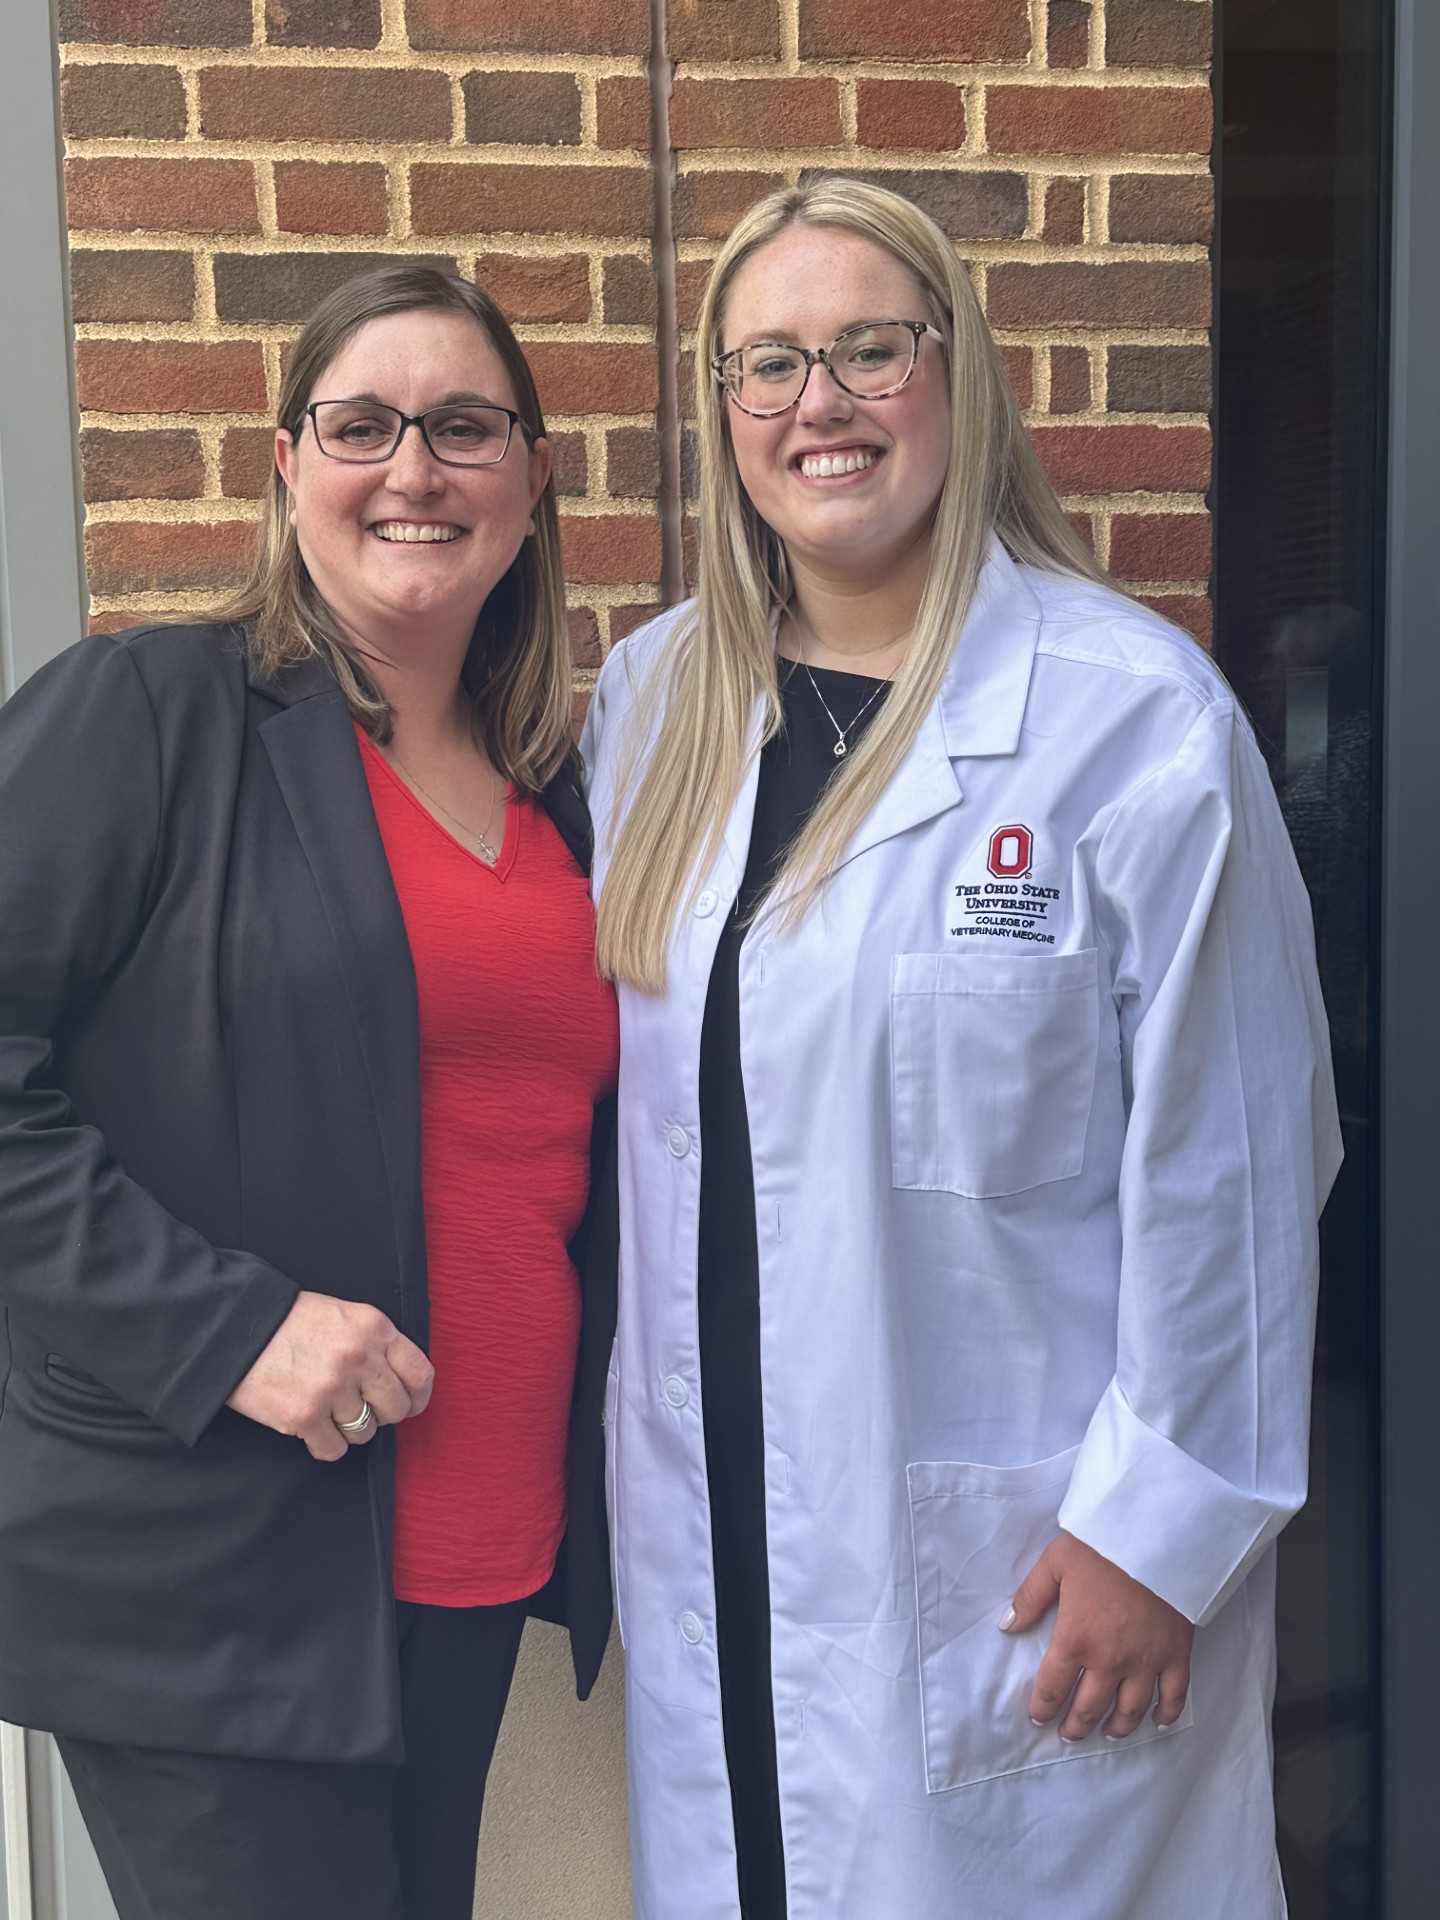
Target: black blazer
{"points": [[209, 1098]]}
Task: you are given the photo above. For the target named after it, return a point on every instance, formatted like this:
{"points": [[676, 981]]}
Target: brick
{"points": [[1069, 379], [960, 30], [125, 285], [159, 464], [632, 463], [320, 196], [1192, 611], [626, 618], [1160, 546], [166, 196], [118, 619], [247, 455], [584, 629], [499, 26], [526, 109], [691, 279], [1063, 223], [115, 102], [1158, 380], [324, 103], [1157, 33], [707, 205], [755, 113], [158, 23], [139, 556], [1061, 119], [1131, 293], [722, 29], [1067, 34], [1020, 372], [570, 464], [1084, 525], [969, 206], [1176, 209], [627, 292], [590, 377], [1116, 459], [914, 114], [622, 112], [610, 549], [284, 288], [610, 202], [549, 289], [170, 376], [323, 23]]}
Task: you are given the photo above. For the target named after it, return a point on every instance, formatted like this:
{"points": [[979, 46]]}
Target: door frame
{"points": [[1410, 1016]]}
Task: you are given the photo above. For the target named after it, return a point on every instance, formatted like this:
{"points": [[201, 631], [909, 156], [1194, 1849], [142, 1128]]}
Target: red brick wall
{"points": [[229, 160]]}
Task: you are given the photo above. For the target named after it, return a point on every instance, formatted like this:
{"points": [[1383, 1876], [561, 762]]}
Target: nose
{"points": [[412, 468], [822, 397]]}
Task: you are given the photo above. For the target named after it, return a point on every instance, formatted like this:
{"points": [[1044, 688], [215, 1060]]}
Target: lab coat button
{"points": [[676, 1391], [678, 1142], [705, 903], [692, 1630]]}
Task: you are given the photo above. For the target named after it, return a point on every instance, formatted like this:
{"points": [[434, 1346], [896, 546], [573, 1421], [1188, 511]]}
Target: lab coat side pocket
{"points": [[993, 1061], [612, 1483], [977, 1532]]}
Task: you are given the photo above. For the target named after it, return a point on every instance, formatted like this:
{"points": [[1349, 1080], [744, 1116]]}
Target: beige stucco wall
{"points": [[553, 1845]]}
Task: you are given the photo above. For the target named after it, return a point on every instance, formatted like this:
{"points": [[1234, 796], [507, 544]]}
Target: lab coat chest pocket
{"points": [[977, 1532], [992, 1064]]}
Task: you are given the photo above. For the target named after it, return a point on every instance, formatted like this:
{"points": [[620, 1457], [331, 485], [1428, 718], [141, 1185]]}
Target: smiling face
{"points": [[849, 485], [407, 550]]}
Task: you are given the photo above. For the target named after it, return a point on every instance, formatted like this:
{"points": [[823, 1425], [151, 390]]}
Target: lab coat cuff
{"points": [[1162, 1516]]}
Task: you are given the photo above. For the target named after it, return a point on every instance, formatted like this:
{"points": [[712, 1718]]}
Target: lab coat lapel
{"points": [[978, 711], [313, 751]]}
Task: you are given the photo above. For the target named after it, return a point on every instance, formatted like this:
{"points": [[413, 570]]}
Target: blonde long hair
{"points": [[517, 670], [673, 805]]}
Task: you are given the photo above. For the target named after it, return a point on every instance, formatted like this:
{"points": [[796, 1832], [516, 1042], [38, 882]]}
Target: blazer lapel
{"points": [[311, 745]]}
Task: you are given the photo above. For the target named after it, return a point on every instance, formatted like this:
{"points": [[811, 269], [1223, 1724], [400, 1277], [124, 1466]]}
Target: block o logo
{"points": [[1011, 849]]}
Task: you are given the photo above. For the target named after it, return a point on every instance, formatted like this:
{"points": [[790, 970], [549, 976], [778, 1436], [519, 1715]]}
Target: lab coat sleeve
{"points": [[1196, 1455], [89, 1259]]}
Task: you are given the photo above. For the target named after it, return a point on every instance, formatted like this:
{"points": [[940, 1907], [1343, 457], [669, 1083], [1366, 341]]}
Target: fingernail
{"points": [[1168, 1727], [1117, 1736], [1038, 1723], [1007, 1619], [1072, 1739]]}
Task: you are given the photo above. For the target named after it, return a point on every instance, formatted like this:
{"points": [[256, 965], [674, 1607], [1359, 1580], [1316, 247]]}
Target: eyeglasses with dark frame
{"points": [[363, 432], [862, 362]]}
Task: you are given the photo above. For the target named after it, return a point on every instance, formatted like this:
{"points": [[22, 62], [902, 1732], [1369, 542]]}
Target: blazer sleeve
{"points": [[1196, 1455], [89, 1260]]}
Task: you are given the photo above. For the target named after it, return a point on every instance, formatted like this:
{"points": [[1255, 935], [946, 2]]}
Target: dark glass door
{"points": [[1300, 398]]}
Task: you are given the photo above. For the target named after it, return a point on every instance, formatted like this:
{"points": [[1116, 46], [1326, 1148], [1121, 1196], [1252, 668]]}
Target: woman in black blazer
{"points": [[212, 1229]]}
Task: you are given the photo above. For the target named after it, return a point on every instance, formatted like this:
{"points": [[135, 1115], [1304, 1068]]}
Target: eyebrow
{"points": [[457, 399]]}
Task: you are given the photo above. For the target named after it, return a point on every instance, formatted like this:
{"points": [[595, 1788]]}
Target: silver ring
{"points": [[361, 1420]]}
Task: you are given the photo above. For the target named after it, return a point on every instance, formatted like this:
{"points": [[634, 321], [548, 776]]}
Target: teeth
{"points": [[411, 531], [822, 466]]}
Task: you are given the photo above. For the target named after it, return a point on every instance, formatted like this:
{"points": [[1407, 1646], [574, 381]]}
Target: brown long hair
{"points": [[517, 670]]}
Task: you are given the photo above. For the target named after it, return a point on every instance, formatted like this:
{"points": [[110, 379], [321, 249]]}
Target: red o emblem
{"points": [[1011, 849]]}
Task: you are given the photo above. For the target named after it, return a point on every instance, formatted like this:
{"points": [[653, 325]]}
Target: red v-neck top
{"points": [[518, 1040]]}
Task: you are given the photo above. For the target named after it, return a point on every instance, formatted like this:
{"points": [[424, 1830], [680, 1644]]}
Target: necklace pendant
{"points": [[841, 749]]}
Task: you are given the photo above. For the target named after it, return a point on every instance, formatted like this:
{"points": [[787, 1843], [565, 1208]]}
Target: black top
{"points": [[794, 768]]}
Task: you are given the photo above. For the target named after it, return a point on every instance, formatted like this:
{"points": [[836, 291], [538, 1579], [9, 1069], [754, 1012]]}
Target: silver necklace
{"points": [[842, 744], [488, 853]]}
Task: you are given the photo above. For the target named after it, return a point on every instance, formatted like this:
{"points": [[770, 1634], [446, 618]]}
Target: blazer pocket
{"points": [[977, 1532], [61, 1371], [992, 1069]]}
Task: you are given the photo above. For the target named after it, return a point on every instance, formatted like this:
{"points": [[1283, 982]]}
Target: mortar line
{"points": [[669, 505]]}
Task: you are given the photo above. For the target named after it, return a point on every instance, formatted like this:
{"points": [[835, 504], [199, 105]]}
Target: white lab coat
{"points": [[1041, 1118]]}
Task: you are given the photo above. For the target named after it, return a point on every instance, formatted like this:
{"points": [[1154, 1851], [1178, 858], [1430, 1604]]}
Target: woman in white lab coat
{"points": [[975, 1118]]}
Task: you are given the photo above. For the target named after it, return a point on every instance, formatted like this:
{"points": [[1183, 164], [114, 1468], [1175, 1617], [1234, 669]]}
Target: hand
{"points": [[1116, 1638], [326, 1359]]}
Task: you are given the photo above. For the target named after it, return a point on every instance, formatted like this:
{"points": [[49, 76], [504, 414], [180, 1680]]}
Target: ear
{"points": [[539, 475], [287, 456]]}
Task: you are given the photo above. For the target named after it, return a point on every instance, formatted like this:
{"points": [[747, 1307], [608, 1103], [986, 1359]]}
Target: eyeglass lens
{"points": [[865, 361], [362, 430]]}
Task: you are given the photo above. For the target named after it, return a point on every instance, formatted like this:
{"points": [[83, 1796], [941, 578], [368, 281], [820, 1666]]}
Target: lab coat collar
{"points": [[982, 697], [979, 710]]}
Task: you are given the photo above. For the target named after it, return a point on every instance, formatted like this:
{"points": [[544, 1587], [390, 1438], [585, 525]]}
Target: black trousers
{"points": [[189, 1836]]}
